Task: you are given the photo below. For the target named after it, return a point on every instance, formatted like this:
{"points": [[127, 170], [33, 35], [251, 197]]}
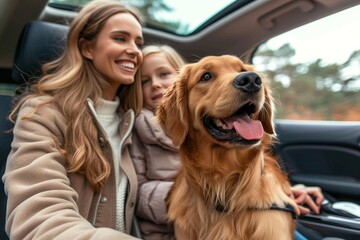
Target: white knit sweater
{"points": [[109, 119]]}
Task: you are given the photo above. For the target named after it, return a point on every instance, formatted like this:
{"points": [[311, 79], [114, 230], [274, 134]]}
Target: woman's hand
{"points": [[305, 195]]}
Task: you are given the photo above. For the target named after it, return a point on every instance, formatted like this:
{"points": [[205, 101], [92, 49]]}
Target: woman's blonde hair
{"points": [[71, 79], [174, 58]]}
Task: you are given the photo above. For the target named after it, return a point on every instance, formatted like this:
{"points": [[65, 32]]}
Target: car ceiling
{"points": [[238, 33]]}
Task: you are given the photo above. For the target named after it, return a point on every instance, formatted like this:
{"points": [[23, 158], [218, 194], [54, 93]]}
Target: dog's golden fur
{"points": [[225, 189]]}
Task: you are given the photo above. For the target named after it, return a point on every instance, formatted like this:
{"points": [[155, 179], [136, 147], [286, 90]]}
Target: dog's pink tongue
{"points": [[247, 128]]}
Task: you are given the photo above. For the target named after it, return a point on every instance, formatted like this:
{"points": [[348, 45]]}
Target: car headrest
{"points": [[39, 43]]}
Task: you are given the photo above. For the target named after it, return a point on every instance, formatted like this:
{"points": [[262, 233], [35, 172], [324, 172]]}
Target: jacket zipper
{"points": [[122, 145], [103, 132]]}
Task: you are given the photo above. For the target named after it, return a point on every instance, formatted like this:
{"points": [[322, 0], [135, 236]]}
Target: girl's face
{"points": [[157, 75], [116, 51]]}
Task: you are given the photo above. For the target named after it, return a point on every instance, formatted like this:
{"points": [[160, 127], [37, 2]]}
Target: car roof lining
{"points": [[213, 39]]}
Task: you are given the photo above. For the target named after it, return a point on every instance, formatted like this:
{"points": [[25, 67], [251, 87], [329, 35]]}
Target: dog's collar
{"points": [[287, 208]]}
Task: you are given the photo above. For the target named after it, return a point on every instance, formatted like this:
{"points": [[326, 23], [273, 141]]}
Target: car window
{"points": [[315, 69], [172, 16]]}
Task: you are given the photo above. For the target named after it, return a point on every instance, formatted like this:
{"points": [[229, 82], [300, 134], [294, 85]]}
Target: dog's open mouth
{"points": [[239, 128]]}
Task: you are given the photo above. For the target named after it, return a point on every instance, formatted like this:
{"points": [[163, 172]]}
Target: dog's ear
{"points": [[266, 113], [173, 113]]}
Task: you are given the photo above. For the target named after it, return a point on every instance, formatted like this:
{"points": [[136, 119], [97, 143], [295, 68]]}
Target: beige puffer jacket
{"points": [[156, 162]]}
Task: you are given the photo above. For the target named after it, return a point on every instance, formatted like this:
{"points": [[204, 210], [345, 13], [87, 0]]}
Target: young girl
{"points": [[155, 158], [69, 174]]}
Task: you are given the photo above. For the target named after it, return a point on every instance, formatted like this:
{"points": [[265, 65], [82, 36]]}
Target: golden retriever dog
{"points": [[220, 114]]}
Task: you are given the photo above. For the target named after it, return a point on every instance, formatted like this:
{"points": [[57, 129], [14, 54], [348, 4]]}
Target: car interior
{"points": [[314, 153]]}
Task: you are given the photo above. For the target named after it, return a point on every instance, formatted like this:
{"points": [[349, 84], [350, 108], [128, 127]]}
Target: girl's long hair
{"points": [[174, 58], [70, 80]]}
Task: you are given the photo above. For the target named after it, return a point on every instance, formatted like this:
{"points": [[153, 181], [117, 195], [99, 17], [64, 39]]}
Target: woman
{"points": [[69, 173]]}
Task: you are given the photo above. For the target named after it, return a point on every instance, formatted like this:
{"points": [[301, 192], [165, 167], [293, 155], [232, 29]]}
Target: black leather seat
{"points": [[39, 43]]}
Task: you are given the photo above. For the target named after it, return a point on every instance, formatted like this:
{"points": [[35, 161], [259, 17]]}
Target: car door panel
{"points": [[324, 154]]}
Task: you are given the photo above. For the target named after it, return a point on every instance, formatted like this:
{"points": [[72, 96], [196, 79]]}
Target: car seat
{"points": [[39, 43]]}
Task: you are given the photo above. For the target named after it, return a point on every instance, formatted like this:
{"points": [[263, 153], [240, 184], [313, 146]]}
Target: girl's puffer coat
{"points": [[156, 162]]}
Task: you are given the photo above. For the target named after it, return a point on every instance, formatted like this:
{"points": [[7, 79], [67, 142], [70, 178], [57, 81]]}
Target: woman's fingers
{"points": [[299, 195], [311, 204], [303, 210], [302, 195], [317, 193]]}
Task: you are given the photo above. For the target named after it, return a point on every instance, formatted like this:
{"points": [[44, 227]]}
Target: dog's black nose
{"points": [[248, 82]]}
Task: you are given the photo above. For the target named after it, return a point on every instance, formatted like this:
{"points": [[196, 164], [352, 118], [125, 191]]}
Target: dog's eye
{"points": [[206, 77]]}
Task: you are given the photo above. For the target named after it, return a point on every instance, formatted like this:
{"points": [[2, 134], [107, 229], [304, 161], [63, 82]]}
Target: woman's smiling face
{"points": [[116, 51]]}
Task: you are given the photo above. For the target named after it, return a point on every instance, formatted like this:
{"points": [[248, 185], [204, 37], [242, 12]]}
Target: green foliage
{"points": [[312, 90], [152, 11]]}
